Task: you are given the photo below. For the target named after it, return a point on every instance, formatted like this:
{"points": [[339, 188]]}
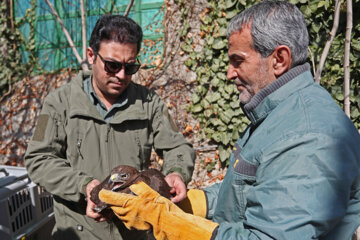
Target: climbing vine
{"points": [[12, 68], [215, 100]]}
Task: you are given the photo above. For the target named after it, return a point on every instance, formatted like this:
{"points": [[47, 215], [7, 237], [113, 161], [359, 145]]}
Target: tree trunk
{"points": [[329, 42], [67, 35], [83, 28], [349, 19]]}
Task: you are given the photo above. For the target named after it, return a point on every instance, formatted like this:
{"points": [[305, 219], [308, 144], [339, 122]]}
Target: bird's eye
{"points": [[124, 175]]}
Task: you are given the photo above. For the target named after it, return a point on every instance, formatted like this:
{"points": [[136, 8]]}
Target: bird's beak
{"points": [[115, 180]]}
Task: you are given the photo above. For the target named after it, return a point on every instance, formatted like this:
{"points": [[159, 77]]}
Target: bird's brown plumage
{"points": [[119, 180]]}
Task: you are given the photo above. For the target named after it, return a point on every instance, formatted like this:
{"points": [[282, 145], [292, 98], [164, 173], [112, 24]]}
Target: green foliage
{"points": [[215, 101], [12, 69]]}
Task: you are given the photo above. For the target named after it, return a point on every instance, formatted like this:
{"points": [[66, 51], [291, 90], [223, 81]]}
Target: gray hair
{"points": [[274, 23]]}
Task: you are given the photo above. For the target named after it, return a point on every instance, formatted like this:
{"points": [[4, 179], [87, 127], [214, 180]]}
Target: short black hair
{"points": [[115, 28]]}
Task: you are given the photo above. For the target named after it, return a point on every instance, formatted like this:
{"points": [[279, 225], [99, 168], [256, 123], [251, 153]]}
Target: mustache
{"points": [[116, 80], [239, 81]]}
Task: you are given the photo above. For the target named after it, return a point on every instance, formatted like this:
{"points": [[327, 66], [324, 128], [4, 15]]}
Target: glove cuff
{"points": [[195, 203], [214, 233]]}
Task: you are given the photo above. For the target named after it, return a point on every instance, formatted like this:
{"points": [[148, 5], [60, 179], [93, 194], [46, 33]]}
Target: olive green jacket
{"points": [[72, 143]]}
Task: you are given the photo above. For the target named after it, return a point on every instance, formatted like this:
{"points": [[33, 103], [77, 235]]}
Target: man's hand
{"points": [[90, 204], [177, 185]]}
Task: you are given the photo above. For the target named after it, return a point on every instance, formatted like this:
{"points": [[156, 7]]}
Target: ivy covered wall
{"points": [[215, 101]]}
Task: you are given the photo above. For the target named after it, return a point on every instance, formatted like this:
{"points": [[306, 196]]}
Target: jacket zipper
{"points": [[112, 231], [141, 152], [78, 144], [108, 147], [107, 133], [112, 235], [56, 127]]}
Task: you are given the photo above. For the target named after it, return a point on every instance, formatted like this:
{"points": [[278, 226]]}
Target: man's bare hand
{"points": [[90, 204], [175, 181]]}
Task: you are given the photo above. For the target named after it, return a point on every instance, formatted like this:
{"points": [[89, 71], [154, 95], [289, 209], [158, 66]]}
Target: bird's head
{"points": [[120, 176]]}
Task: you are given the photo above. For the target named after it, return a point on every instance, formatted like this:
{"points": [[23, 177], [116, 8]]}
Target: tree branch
{"points": [[349, 19], [329, 42], [67, 35], [312, 60], [128, 8], [83, 27]]}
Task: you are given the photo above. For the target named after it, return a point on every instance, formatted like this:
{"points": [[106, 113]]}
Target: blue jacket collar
{"points": [[268, 98]]}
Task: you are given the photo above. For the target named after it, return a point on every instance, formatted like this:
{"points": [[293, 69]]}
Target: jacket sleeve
{"points": [[45, 158], [211, 194], [302, 189], [178, 153]]}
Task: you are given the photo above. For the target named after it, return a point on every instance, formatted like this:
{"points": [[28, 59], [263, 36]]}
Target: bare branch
{"points": [[128, 8], [83, 27], [7, 93], [67, 35], [312, 60], [349, 25], [329, 42]]}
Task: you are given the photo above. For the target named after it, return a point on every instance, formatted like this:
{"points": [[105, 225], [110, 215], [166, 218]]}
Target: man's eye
{"points": [[114, 64], [235, 63]]}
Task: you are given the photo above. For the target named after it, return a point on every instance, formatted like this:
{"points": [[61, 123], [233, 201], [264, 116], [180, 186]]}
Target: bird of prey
{"points": [[121, 178]]}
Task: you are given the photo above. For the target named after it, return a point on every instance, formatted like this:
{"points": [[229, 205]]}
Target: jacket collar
{"points": [[263, 102], [81, 105]]}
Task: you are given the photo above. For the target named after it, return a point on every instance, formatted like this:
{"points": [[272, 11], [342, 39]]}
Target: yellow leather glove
{"points": [[195, 203], [148, 209]]}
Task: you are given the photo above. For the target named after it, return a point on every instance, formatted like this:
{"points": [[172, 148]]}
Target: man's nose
{"points": [[231, 73], [121, 74]]}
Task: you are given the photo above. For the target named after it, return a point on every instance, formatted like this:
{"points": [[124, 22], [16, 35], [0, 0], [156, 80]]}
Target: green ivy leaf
{"points": [[216, 136], [205, 104], [231, 14], [213, 97], [222, 32], [208, 113], [223, 154], [221, 76], [355, 113], [195, 98], [216, 122], [219, 43], [197, 108], [187, 48], [206, 19], [215, 82], [222, 22], [209, 131], [235, 105], [230, 3], [339, 96], [189, 62], [225, 118], [215, 67], [210, 40], [225, 139], [243, 4]]}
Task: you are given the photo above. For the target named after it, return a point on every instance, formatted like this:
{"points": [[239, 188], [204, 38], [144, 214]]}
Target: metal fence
{"points": [[54, 51]]}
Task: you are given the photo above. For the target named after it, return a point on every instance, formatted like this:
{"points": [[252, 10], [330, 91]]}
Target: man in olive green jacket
{"points": [[98, 121]]}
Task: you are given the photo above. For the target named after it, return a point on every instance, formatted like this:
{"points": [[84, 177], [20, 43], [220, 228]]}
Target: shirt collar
{"points": [[107, 114], [269, 97]]}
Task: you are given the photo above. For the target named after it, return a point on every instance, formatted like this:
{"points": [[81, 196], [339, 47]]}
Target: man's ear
{"points": [[281, 60], [90, 55]]}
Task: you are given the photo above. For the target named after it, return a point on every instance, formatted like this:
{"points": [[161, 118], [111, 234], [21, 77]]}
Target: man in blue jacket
{"points": [[294, 174]]}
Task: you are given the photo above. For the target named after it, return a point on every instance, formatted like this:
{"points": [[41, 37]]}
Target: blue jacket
{"points": [[294, 174]]}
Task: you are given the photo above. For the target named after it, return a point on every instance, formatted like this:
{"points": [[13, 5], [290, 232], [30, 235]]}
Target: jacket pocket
{"points": [[144, 153], [244, 176]]}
